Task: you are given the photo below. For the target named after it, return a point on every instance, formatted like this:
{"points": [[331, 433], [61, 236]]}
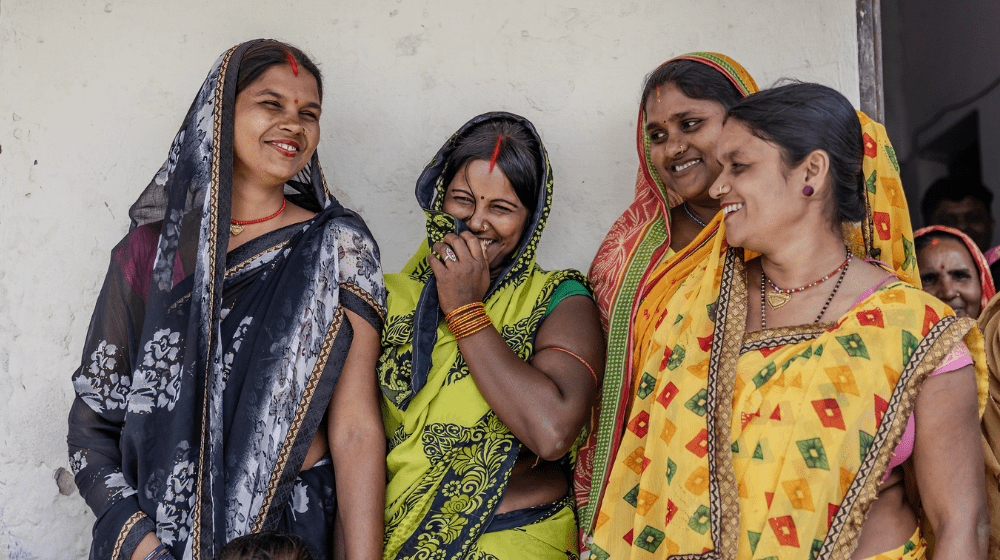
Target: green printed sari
{"points": [[450, 457]]}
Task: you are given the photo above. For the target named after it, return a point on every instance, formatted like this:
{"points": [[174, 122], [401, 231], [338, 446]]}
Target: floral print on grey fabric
{"points": [[176, 492], [102, 387], [158, 377], [358, 258], [78, 462], [227, 360], [119, 488], [300, 499]]}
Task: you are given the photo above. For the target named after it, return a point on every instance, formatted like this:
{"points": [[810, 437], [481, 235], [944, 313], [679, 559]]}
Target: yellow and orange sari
{"points": [[772, 444]]}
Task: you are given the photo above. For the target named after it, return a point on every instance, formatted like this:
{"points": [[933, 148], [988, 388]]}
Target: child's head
{"points": [[266, 546]]}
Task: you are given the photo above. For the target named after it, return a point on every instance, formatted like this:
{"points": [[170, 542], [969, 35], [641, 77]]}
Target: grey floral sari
{"points": [[206, 375]]}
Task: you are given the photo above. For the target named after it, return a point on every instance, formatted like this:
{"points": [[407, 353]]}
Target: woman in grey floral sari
{"points": [[228, 371]]}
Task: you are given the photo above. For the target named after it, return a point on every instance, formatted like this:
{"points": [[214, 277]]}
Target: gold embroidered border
{"points": [[365, 296], [842, 538], [770, 338], [125, 531], [300, 413], [732, 309], [212, 240], [246, 262]]}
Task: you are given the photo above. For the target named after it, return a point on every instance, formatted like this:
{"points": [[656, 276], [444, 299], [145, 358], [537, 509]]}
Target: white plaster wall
{"points": [[92, 92]]}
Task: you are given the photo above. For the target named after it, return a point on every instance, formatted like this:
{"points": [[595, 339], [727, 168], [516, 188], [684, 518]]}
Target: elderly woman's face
{"points": [[276, 126], [487, 203], [948, 273]]}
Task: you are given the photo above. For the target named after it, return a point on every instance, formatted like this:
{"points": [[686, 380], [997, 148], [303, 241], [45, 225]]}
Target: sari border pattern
{"points": [[363, 296], [300, 413], [125, 531], [213, 223], [769, 338], [724, 502], [846, 525]]}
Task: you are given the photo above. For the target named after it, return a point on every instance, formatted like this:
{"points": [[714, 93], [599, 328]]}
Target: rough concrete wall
{"points": [[92, 92]]}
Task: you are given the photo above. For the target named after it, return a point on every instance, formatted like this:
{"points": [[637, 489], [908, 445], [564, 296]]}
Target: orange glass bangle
{"points": [[468, 322], [473, 331], [458, 310]]}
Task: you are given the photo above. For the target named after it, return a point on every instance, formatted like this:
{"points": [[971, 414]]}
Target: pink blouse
{"points": [[958, 358]]}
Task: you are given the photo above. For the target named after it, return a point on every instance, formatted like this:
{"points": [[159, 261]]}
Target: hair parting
{"points": [[496, 151], [291, 60]]}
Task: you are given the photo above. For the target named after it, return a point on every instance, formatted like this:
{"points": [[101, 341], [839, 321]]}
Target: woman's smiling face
{"points": [[757, 205], [683, 134], [488, 205], [276, 126], [948, 273]]}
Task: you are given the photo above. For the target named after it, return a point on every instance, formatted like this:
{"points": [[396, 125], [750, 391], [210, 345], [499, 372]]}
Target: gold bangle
{"points": [[458, 310]]}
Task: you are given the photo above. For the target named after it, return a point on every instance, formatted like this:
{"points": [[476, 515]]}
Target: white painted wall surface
{"points": [[92, 92]]}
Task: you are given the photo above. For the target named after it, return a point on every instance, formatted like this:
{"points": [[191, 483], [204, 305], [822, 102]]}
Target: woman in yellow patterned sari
{"points": [[683, 105], [781, 377]]}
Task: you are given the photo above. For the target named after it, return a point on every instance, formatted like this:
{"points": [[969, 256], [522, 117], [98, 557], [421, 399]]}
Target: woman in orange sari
{"points": [[762, 429], [683, 105]]}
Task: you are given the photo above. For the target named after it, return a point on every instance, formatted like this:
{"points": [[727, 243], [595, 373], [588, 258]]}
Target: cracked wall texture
{"points": [[92, 92]]}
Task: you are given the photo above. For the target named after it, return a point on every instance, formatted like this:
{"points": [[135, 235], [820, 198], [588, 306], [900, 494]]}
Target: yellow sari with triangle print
{"points": [[772, 444]]}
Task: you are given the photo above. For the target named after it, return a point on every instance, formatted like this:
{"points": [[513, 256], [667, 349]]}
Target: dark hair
{"points": [[954, 190], [803, 117], [922, 241], [695, 80], [519, 157], [258, 58], [266, 546]]}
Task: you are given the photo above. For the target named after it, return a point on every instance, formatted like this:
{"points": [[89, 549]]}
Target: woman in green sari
{"points": [[490, 365]]}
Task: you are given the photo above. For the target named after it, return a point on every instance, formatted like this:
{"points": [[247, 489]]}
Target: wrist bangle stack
{"points": [[160, 553], [468, 320]]}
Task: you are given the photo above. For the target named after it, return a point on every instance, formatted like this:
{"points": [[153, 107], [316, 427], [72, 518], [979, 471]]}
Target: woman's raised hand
{"points": [[462, 270]]}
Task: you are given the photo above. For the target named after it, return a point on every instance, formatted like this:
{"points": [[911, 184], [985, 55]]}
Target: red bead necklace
{"points": [[780, 297], [236, 226]]}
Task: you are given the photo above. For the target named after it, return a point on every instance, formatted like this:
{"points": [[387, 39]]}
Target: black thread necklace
{"points": [[763, 289], [693, 217]]}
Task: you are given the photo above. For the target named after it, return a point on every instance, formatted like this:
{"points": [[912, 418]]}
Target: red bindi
{"points": [[291, 60], [296, 101], [482, 198]]}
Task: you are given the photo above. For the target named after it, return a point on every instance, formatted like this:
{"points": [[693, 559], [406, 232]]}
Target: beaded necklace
{"points": [[787, 294], [693, 217]]}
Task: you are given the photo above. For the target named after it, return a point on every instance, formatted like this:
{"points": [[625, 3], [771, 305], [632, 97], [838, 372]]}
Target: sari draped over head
{"points": [[638, 241], [206, 374], [982, 264], [450, 457], [773, 443]]}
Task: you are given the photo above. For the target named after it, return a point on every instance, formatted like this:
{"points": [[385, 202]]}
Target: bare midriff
{"points": [[533, 485], [891, 520]]}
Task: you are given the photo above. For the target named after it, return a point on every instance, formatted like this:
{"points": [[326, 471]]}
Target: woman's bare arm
{"points": [[948, 460], [545, 402], [357, 444]]}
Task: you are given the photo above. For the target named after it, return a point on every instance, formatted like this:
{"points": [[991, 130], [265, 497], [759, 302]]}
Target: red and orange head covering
{"points": [[985, 276]]}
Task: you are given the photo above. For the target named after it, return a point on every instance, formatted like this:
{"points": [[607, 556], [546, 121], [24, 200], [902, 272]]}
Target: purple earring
{"points": [[807, 190]]}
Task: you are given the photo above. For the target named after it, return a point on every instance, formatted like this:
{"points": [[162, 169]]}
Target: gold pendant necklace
{"points": [[777, 299], [235, 229]]}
